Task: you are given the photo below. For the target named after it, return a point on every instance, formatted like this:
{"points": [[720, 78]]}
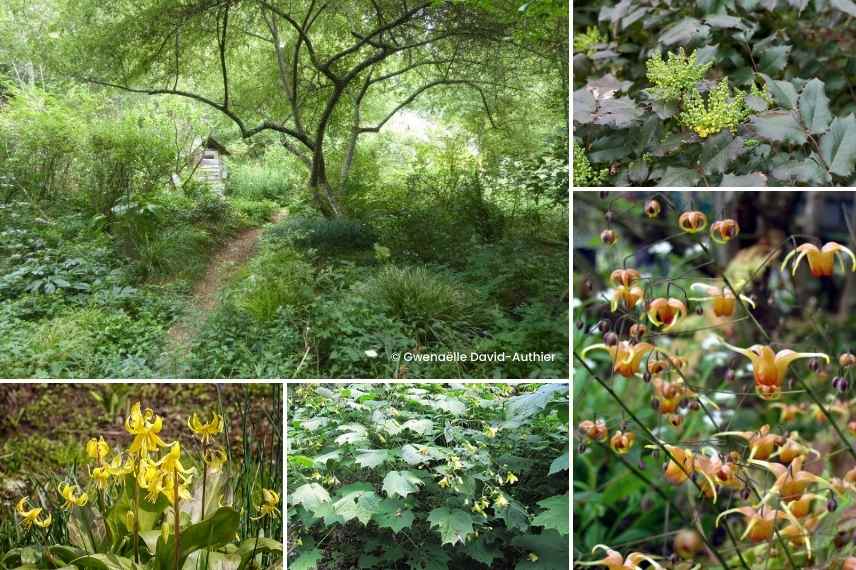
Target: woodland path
{"points": [[206, 291]]}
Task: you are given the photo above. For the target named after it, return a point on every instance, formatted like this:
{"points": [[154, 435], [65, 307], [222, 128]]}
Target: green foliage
{"points": [[584, 173], [328, 236], [658, 120], [585, 43], [426, 479]]}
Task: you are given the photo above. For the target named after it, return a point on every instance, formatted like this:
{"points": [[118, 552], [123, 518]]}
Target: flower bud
{"points": [[687, 543], [603, 325], [831, 504], [847, 360], [608, 237], [610, 339], [653, 208]]}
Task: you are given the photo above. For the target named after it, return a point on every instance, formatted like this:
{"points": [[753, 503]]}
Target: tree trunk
{"points": [[326, 199]]}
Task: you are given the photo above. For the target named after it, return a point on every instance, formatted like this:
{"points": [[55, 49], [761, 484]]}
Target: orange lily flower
{"points": [[662, 311], [626, 277], [679, 472], [717, 473], [789, 411], [692, 222], [595, 430], [660, 363], [670, 394], [802, 507], [761, 442], [791, 481], [821, 261], [625, 356], [770, 367], [630, 295], [798, 531], [722, 297], [724, 230], [793, 448], [761, 521], [614, 560], [621, 442]]}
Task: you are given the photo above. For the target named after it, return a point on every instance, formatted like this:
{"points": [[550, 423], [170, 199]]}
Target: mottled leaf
{"points": [[401, 483]]}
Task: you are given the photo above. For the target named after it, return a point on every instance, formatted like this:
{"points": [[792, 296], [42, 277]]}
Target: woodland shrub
{"points": [[745, 93], [397, 476]]}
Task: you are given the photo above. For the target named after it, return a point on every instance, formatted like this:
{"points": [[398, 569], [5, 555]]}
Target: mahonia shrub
{"points": [[428, 477], [740, 93]]}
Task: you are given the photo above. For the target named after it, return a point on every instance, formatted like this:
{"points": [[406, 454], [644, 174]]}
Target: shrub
{"points": [[253, 212], [325, 235], [425, 476], [264, 180], [274, 279]]}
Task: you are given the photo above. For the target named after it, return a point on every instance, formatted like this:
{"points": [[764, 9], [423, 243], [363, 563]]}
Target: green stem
{"points": [[177, 518], [659, 444], [829, 417]]}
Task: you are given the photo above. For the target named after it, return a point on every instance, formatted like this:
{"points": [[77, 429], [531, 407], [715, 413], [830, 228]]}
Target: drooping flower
{"points": [[668, 312], [30, 517], [722, 297], [692, 222], [205, 431], [97, 449], [789, 412], [653, 208], [680, 468], [791, 480], [716, 473], [821, 261], [510, 478], [723, 231], [626, 276], [762, 443], [215, 458], [793, 448], [621, 442], [594, 430], [71, 499], [145, 427], [770, 368], [761, 523], [630, 296], [269, 506], [625, 356], [614, 560]]}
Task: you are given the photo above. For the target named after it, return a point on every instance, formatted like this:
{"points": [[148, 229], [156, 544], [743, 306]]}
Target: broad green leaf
{"points": [[784, 92], [638, 171], [684, 32], [328, 513], [211, 533], [556, 514], [753, 179], [814, 107], [779, 126], [483, 552], [838, 146], [322, 459], [419, 454], [401, 483], [250, 548], [360, 505], [806, 171], [454, 525], [451, 405], [351, 437], [723, 21], [369, 458], [310, 495], [520, 408], [392, 514], [619, 113], [422, 427], [773, 59], [550, 547], [306, 561], [561, 463], [679, 176], [104, 562]]}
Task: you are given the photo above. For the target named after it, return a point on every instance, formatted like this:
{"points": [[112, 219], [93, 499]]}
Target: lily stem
{"points": [[177, 519]]}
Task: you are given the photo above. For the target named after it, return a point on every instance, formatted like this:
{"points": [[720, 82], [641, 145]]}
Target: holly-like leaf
{"points": [[369, 458], [401, 483], [779, 126], [310, 495], [805, 171], [619, 113], [719, 151], [838, 146], [556, 513], [753, 179], [679, 176], [684, 32], [392, 514], [784, 92], [814, 107], [453, 525]]}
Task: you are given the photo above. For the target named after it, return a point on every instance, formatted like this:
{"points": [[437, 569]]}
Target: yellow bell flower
{"points": [[500, 502], [31, 517], [268, 508], [171, 462], [205, 431], [97, 449], [511, 478], [145, 427], [68, 493], [821, 261]]}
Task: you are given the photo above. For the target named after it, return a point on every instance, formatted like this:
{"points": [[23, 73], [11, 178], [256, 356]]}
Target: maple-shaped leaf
{"points": [[391, 514], [401, 483], [453, 525], [360, 505], [556, 514], [310, 495], [371, 457]]}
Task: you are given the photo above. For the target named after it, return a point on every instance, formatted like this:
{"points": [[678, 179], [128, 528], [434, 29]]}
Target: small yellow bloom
{"points": [[500, 502], [533, 557], [145, 427], [490, 432], [31, 517], [97, 449], [444, 482], [68, 493], [101, 476], [215, 458], [205, 431], [511, 478], [269, 505], [171, 462]]}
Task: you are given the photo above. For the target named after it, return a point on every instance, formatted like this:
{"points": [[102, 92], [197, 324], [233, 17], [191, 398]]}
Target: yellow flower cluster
{"points": [[722, 111], [675, 75]]}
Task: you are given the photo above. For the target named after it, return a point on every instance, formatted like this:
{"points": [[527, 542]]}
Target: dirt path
{"points": [[206, 291]]}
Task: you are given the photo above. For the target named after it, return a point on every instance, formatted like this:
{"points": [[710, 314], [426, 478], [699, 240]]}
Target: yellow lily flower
{"points": [[101, 477], [511, 478], [268, 508], [31, 517], [171, 462], [97, 449], [68, 493], [722, 297], [821, 261], [625, 356], [205, 431], [145, 427], [614, 560], [770, 368]]}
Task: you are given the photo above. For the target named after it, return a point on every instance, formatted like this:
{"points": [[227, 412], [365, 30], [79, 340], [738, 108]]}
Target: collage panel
{"points": [[737, 93], [714, 361], [277, 189], [395, 476], [141, 476]]}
